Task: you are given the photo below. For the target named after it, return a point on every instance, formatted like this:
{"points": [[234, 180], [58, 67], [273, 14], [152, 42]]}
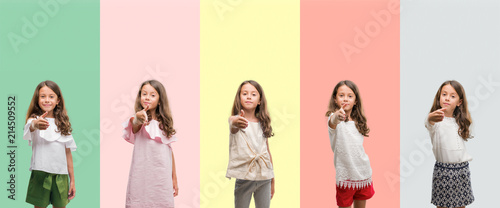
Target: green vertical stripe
{"points": [[54, 40]]}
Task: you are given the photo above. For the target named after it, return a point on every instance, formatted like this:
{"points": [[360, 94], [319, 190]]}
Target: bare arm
{"points": [[268, 150], [271, 158], [135, 127], [174, 176], [232, 121], [238, 122], [69, 160]]}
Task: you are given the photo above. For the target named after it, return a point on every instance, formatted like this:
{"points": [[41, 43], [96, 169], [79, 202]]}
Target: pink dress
{"points": [[150, 179]]}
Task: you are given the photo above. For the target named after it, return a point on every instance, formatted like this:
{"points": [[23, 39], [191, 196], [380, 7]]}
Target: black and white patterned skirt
{"points": [[451, 186]]}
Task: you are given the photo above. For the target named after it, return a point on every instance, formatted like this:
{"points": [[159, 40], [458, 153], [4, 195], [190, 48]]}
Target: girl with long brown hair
{"points": [[347, 128], [48, 131], [449, 124], [250, 160], [153, 179]]}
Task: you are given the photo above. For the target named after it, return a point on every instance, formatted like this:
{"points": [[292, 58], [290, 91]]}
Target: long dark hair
{"points": [[163, 114], [261, 111], [357, 112], [60, 113], [461, 112]]}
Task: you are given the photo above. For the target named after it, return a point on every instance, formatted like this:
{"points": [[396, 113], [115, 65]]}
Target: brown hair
{"points": [[461, 112], [163, 114], [261, 111], [60, 113], [357, 112]]}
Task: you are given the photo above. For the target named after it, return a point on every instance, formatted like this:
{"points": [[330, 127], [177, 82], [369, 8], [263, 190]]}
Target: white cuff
{"points": [[331, 120], [135, 121], [33, 125]]}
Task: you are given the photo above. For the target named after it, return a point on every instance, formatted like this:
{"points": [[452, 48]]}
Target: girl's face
{"points": [[47, 99], [345, 96], [149, 96], [449, 98], [249, 97]]}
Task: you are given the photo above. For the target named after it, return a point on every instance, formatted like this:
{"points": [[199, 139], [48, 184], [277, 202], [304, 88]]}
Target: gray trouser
{"points": [[244, 189]]}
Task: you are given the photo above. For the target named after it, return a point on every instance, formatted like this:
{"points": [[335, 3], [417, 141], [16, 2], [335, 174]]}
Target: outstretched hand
{"points": [[41, 123], [239, 121], [436, 116], [142, 116], [339, 115]]}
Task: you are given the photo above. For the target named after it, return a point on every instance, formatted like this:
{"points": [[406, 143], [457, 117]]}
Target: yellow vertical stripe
{"points": [[241, 40]]}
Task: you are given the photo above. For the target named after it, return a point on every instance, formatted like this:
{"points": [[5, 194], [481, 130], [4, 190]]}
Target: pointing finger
{"points": [[343, 106]]}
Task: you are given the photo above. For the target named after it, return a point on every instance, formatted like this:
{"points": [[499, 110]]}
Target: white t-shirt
{"points": [[447, 145], [352, 165], [49, 148], [248, 155]]}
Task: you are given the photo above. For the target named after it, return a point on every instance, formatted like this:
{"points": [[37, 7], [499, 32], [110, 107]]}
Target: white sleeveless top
{"points": [[352, 165], [248, 155]]}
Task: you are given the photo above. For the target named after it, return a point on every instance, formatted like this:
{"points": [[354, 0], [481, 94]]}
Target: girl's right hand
{"points": [[339, 115], [141, 117], [436, 116], [40, 123], [239, 121]]}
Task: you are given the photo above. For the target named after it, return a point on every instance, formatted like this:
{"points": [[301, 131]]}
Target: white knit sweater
{"points": [[352, 165]]}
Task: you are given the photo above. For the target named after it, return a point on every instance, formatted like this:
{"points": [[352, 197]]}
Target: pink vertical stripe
{"points": [[149, 40]]}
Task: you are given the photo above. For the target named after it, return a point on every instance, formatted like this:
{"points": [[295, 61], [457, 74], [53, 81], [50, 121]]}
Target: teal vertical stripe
{"points": [[54, 40]]}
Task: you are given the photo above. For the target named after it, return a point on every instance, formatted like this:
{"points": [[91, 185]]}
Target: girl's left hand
{"points": [[72, 191], [176, 188], [272, 188]]}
